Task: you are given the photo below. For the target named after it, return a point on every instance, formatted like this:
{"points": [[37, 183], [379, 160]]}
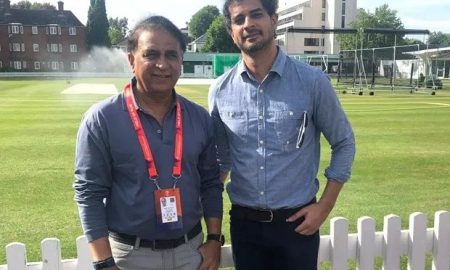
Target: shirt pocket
{"points": [[236, 123], [287, 126]]}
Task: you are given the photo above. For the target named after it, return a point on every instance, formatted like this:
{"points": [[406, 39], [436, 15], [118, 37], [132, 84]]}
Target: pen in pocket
{"points": [[302, 129]]}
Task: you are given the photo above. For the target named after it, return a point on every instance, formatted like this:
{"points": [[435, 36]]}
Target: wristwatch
{"points": [[103, 264], [216, 237]]}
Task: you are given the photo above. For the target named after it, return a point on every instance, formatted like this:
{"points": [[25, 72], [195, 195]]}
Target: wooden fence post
{"points": [[51, 254], [366, 243], [339, 243], [84, 257], [417, 241], [441, 239], [391, 244], [16, 256]]}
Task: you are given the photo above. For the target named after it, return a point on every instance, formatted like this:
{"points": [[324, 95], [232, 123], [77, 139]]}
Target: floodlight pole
{"points": [[393, 63]]}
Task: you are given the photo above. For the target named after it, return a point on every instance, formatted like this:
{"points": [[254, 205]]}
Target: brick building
{"points": [[40, 40]]}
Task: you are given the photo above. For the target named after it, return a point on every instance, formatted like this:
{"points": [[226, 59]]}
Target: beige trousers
{"points": [[183, 257]]}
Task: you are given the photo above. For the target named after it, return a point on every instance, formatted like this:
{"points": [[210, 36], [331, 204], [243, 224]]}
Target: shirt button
{"points": [[260, 90], [261, 142], [158, 131], [260, 117], [262, 193], [291, 113], [262, 167]]}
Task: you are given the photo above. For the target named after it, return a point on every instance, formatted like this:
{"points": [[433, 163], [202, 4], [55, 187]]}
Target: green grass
{"points": [[401, 166]]}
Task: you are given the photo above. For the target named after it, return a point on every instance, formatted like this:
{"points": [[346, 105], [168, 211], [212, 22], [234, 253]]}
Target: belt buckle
{"points": [[270, 218]]}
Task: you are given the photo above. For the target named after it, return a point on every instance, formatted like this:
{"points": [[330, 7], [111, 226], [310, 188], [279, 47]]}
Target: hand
{"points": [[210, 251], [314, 215]]}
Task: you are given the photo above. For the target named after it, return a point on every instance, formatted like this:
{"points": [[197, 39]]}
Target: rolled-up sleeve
{"points": [[331, 120], [92, 177]]}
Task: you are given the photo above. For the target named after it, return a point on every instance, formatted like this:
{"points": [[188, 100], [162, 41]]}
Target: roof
{"points": [[197, 57], [436, 53], [200, 39], [40, 17]]}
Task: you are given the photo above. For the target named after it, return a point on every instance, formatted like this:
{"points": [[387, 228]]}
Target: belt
{"points": [[156, 244], [264, 215]]}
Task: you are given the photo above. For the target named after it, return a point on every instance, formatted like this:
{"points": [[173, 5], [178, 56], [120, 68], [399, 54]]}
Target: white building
{"points": [[316, 14]]}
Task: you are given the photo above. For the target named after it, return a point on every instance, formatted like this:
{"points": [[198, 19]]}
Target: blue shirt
{"points": [[110, 165], [257, 127]]}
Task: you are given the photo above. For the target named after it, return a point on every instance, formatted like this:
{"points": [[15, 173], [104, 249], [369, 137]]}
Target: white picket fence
{"points": [[336, 248]]}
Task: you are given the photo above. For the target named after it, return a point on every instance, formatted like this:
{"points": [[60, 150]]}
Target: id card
{"points": [[168, 209]]}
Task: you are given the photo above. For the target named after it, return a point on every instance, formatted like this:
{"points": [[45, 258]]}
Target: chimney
{"points": [[60, 5]]}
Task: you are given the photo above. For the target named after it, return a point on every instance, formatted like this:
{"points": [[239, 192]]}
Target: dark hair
{"points": [[151, 23], [270, 6]]}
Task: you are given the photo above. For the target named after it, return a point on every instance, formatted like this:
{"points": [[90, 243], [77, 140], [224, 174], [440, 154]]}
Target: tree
{"points": [[218, 39], [97, 25], [35, 5], [383, 17], [201, 20], [118, 29], [439, 38]]}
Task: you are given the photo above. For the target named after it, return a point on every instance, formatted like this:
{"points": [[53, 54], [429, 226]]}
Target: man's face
{"points": [[157, 61], [252, 29]]}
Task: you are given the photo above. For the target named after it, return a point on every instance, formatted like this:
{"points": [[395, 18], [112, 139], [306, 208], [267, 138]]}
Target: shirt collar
{"points": [[277, 66], [136, 104]]}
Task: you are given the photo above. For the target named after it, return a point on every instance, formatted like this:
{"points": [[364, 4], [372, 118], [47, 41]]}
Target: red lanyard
{"points": [[145, 146]]}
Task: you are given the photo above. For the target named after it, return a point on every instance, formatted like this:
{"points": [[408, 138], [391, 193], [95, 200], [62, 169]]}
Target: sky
{"points": [[433, 15]]}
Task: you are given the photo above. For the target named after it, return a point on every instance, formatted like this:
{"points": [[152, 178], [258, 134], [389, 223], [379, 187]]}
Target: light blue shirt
{"points": [[257, 127]]}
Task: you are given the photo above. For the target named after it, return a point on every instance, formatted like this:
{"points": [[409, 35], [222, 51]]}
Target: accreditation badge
{"points": [[168, 209]]}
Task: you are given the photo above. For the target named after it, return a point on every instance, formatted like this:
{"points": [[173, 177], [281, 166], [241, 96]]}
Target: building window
{"points": [[35, 47], [14, 47], [73, 48], [55, 65], [34, 30], [52, 47], [312, 42], [72, 31], [322, 42], [311, 52], [61, 65], [343, 8], [17, 65], [343, 22], [74, 65], [54, 30], [323, 16], [324, 3], [15, 29], [60, 47], [37, 65], [1, 64]]}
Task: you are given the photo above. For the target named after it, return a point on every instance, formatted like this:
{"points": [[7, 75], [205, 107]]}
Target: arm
{"points": [[315, 214], [211, 198], [92, 185], [221, 138], [330, 119]]}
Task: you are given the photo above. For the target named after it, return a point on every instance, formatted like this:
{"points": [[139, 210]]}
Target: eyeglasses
{"points": [[302, 129]]}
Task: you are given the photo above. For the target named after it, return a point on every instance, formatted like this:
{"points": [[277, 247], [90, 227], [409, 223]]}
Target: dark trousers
{"points": [[274, 245]]}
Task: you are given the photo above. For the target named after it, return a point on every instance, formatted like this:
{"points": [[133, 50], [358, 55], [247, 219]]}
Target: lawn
{"points": [[401, 166]]}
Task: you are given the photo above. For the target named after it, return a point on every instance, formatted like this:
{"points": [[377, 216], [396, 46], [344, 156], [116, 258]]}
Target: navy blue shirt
{"points": [[112, 186], [258, 126]]}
